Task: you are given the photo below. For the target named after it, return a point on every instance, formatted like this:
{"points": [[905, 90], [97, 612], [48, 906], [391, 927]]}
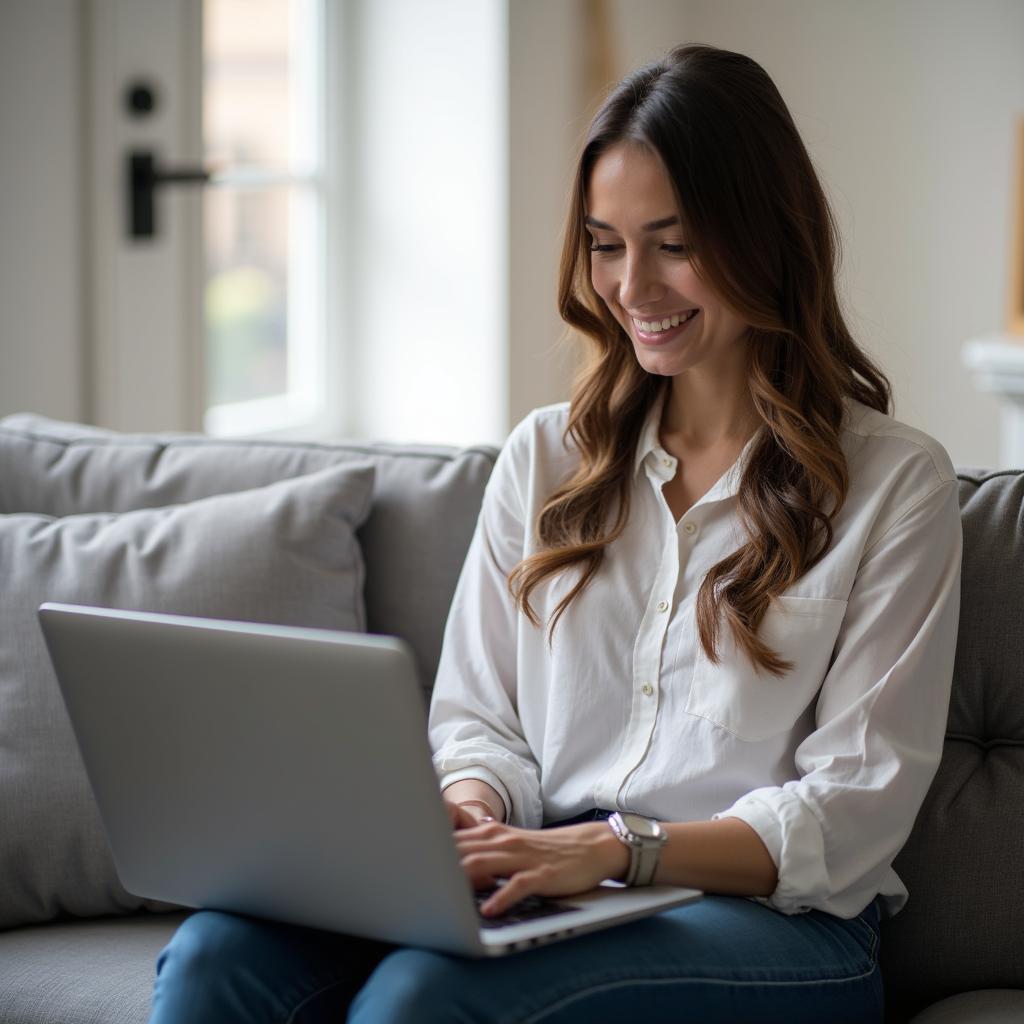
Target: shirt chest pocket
{"points": [[751, 703]]}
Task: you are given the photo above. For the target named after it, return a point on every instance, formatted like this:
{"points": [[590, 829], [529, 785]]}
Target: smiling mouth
{"points": [[665, 323], [662, 336]]}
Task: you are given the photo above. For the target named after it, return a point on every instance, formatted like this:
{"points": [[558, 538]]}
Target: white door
{"points": [[207, 296]]}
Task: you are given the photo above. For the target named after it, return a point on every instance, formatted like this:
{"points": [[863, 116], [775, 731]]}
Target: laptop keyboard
{"points": [[528, 909]]}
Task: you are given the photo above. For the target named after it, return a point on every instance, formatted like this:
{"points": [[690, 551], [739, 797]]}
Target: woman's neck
{"points": [[705, 412]]}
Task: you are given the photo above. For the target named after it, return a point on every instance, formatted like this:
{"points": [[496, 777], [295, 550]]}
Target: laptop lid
{"points": [[281, 772]]}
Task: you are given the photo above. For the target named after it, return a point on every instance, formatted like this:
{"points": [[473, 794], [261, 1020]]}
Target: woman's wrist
{"points": [[475, 793], [488, 811], [610, 851]]}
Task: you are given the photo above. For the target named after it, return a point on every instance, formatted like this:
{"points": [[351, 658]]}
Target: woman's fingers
{"points": [[482, 869], [534, 862], [529, 876], [485, 836], [518, 887]]}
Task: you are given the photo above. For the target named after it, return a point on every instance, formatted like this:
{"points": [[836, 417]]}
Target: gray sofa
{"points": [[372, 536]]}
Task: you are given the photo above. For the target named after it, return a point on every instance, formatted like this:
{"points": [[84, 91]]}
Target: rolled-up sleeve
{"points": [[474, 726], [880, 721]]}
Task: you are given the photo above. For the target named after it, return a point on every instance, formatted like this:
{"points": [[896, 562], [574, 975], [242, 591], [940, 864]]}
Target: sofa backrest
{"points": [[425, 500], [963, 926]]}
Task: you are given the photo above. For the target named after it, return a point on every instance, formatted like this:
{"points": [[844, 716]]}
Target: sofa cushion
{"points": [[285, 553], [425, 501], [962, 926], [88, 972]]}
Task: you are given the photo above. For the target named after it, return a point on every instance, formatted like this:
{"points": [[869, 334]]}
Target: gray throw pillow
{"points": [[284, 553]]}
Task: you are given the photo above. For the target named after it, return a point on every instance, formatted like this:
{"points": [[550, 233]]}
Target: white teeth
{"points": [[654, 326]]}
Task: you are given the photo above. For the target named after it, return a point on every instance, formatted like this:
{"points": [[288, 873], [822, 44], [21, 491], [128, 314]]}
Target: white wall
{"points": [[545, 101], [41, 337], [908, 109]]}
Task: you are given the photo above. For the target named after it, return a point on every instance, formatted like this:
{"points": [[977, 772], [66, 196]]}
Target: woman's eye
{"points": [[675, 249]]}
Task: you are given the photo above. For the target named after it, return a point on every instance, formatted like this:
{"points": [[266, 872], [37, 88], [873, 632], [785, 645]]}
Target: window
{"points": [[263, 215], [356, 232]]}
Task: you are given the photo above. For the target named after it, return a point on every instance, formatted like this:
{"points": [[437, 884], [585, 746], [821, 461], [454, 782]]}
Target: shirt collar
{"points": [[649, 441], [650, 450]]}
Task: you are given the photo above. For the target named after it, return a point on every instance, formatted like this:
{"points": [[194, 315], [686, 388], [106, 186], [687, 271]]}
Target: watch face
{"points": [[640, 826]]}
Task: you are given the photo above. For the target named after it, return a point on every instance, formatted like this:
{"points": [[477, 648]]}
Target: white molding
{"points": [[998, 364], [285, 415], [99, 276], [193, 399], [338, 70]]}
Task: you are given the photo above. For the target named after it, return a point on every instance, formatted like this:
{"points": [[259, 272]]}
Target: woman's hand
{"points": [[545, 862]]}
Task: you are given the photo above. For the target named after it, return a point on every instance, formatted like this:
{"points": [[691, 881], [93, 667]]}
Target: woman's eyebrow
{"points": [[655, 225]]}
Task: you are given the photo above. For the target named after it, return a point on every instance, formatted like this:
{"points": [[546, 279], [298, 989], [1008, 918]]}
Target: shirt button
{"points": [[663, 606], [667, 463], [647, 689], [690, 528]]}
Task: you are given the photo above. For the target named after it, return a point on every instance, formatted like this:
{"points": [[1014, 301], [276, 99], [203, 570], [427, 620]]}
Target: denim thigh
{"points": [[724, 959], [222, 968]]}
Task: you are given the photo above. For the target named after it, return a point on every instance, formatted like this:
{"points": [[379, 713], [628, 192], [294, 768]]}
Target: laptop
{"points": [[285, 773]]}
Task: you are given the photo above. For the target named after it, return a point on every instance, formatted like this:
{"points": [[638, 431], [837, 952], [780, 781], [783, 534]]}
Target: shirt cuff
{"points": [[791, 834], [480, 774]]}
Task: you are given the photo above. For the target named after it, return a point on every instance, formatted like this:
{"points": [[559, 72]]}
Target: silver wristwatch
{"points": [[645, 838]]}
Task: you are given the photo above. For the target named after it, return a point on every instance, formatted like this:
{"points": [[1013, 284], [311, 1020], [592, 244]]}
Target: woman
{"points": [[719, 589]]}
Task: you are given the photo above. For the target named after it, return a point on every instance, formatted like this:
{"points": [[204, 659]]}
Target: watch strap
{"points": [[645, 862]]}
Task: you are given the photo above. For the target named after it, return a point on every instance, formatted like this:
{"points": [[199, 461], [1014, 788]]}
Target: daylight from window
{"points": [[259, 220]]}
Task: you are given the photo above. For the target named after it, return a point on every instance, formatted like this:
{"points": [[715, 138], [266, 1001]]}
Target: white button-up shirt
{"points": [[829, 763]]}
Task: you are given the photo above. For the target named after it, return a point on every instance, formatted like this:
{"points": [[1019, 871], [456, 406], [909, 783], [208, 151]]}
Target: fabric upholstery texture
{"points": [[425, 500], [963, 927], [285, 553], [83, 972]]}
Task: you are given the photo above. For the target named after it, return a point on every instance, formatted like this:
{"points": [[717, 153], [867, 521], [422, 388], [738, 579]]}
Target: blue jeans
{"points": [[723, 959]]}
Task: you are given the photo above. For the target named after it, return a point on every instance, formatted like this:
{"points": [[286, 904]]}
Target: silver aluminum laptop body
{"points": [[282, 773]]}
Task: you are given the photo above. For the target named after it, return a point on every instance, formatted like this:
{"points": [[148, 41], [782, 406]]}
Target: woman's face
{"points": [[642, 270]]}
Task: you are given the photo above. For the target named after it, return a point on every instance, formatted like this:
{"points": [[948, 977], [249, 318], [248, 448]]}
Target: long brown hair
{"points": [[766, 242]]}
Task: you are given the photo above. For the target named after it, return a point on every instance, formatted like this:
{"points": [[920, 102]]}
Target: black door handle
{"points": [[143, 177]]}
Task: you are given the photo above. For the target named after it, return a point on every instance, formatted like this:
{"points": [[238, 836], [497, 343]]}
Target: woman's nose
{"points": [[638, 285]]}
